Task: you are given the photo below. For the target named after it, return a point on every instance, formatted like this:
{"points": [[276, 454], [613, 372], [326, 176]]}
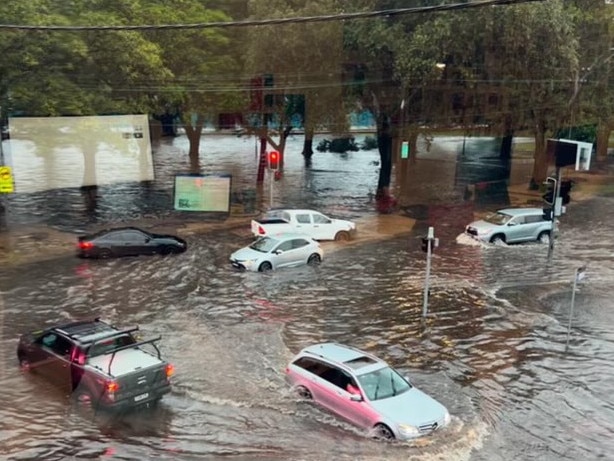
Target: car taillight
{"points": [[170, 370], [112, 387], [86, 245], [261, 230]]}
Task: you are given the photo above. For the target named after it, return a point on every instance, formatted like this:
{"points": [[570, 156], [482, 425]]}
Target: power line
{"points": [[279, 21]]}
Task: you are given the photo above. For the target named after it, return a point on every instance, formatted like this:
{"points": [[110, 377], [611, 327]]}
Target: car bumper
{"points": [[136, 400]]}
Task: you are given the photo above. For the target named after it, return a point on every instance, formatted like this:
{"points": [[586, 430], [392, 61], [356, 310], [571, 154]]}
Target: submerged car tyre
{"points": [[342, 236], [304, 393], [498, 239], [104, 254], [383, 432], [265, 267], [544, 237], [314, 259], [24, 364]]}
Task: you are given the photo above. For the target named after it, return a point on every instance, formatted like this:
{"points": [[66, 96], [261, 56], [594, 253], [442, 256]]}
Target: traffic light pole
{"points": [[429, 251], [555, 198], [271, 180]]}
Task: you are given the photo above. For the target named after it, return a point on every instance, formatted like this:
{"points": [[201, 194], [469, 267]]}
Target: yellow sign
{"points": [[6, 180]]}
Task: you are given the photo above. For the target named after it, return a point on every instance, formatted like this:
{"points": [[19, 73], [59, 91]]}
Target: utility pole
{"points": [[556, 209]]}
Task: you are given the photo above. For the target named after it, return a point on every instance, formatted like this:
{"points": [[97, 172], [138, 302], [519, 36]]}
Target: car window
{"points": [[109, 345], [264, 244], [134, 237], [532, 219], [284, 246], [56, 343], [497, 218], [327, 372], [320, 219], [518, 220], [303, 218], [383, 383], [299, 243]]}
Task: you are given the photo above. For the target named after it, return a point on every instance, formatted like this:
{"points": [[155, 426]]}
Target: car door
{"points": [[515, 231], [323, 227], [136, 243], [304, 224], [282, 255], [55, 350], [338, 399], [534, 225]]}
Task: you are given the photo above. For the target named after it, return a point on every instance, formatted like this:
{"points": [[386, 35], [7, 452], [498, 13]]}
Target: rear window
{"points": [[109, 345]]}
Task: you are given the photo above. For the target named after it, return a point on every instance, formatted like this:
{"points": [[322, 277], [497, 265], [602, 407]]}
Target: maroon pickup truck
{"points": [[101, 365]]}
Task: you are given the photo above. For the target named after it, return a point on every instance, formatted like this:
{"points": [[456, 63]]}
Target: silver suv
{"points": [[365, 391], [512, 225]]}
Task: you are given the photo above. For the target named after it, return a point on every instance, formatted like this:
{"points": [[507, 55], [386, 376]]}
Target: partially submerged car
{"points": [[308, 222], [512, 225], [100, 365], [365, 391], [128, 241], [276, 251]]}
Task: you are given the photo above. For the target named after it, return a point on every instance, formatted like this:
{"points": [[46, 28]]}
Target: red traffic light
{"points": [[274, 160]]}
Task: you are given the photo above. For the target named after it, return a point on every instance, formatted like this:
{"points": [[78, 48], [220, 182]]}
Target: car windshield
{"points": [[264, 244], [497, 218], [383, 383]]}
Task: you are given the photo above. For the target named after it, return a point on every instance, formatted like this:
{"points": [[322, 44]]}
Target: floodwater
{"points": [[493, 347]]}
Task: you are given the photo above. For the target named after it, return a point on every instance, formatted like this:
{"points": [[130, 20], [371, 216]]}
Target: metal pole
{"points": [[557, 192], [271, 188], [429, 250], [573, 300]]}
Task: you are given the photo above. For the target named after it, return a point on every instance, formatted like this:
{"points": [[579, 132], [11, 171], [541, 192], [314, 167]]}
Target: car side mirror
{"points": [[356, 398], [277, 252], [511, 223]]}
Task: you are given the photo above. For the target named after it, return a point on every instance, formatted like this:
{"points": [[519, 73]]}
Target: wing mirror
{"points": [[356, 398], [511, 223]]}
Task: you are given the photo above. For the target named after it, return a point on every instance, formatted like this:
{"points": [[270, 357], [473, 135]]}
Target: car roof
{"points": [[288, 235], [87, 331], [339, 353], [116, 229], [520, 211]]}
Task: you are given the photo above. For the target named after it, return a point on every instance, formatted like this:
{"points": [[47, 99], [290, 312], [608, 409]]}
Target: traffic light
{"points": [[425, 244], [548, 214], [274, 157], [549, 195]]}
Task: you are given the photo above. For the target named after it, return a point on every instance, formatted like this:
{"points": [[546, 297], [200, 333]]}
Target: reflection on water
{"points": [[492, 348]]}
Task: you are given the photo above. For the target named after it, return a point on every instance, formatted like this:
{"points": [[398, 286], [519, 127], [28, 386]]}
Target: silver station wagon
{"points": [[512, 225], [365, 391]]}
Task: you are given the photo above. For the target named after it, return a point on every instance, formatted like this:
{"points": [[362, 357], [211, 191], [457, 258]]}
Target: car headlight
{"points": [[408, 430], [484, 231]]}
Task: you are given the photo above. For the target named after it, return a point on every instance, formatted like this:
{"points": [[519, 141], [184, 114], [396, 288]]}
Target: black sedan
{"points": [[128, 241]]}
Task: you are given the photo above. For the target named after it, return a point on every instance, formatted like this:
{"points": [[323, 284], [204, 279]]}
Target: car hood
{"points": [[482, 225], [344, 223], [413, 407], [245, 254]]}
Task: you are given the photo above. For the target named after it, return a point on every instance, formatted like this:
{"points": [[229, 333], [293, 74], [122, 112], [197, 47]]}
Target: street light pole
{"points": [[430, 238], [579, 275]]}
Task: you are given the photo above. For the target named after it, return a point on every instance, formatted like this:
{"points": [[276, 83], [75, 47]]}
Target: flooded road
{"points": [[493, 348]]}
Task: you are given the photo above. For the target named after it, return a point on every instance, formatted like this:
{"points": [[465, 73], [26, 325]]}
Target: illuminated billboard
{"points": [[197, 192]]}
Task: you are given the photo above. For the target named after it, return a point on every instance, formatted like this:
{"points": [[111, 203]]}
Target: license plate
{"points": [[138, 398]]}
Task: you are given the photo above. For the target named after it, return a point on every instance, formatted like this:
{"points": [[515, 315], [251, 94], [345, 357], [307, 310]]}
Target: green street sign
{"points": [[405, 149]]}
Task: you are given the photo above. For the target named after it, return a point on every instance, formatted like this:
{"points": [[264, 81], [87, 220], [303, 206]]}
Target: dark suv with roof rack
{"points": [[101, 365]]}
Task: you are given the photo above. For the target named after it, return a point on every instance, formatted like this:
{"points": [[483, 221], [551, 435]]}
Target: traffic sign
{"points": [[6, 180]]}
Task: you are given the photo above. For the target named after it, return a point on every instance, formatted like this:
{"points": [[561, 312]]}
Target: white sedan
{"points": [[282, 250]]}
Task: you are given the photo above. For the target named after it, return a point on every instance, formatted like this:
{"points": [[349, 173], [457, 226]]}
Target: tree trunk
{"points": [[308, 144], [193, 132], [384, 145], [540, 157], [603, 138]]}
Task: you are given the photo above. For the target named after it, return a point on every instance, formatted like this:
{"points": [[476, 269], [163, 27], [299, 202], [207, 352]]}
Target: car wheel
{"points": [[498, 239], [304, 393], [342, 236], [544, 237], [165, 250], [383, 432], [84, 400], [104, 253], [314, 259], [265, 267]]}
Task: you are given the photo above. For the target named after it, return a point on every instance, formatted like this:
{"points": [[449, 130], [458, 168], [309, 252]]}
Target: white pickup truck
{"points": [[307, 222]]}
